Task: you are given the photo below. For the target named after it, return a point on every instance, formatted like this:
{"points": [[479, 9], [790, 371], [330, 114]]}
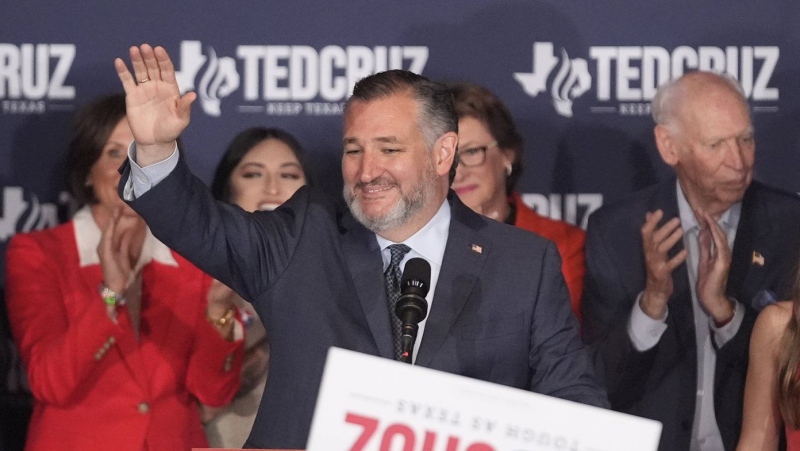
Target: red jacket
{"points": [[95, 386], [569, 240]]}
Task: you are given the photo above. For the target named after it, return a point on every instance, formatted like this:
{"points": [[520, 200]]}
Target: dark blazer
{"points": [[661, 382], [314, 274], [569, 240]]}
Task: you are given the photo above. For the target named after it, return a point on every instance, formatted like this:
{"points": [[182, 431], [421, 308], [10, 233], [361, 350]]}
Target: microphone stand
{"points": [[411, 309], [407, 345]]}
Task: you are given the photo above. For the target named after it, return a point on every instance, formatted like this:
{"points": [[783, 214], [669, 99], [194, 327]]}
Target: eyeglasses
{"points": [[474, 156]]}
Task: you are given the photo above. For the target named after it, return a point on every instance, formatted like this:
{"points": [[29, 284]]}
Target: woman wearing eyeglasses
{"points": [[489, 166]]}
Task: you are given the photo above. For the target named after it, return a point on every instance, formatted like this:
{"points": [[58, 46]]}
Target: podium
{"points": [[387, 403]]}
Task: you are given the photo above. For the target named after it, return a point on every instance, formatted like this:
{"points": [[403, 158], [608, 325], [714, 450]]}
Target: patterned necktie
{"points": [[392, 280]]}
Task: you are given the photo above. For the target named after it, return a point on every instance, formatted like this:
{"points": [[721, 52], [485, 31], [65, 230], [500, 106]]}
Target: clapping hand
{"points": [[121, 234], [712, 269], [657, 242], [221, 308], [220, 299]]}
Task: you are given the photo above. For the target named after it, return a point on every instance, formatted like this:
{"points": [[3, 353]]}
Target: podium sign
{"points": [[370, 403]]}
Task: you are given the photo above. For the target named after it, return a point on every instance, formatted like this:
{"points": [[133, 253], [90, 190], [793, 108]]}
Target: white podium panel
{"points": [[369, 403]]}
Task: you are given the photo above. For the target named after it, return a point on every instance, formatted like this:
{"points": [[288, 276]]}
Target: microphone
{"points": [[412, 307]]}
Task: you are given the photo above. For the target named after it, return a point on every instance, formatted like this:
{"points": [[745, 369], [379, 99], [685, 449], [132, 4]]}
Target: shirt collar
{"points": [[429, 241], [729, 219], [87, 238]]}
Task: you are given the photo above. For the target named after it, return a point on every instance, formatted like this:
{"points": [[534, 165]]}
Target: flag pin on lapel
{"points": [[477, 249], [758, 259]]}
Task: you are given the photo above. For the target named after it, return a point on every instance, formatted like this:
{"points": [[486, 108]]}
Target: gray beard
{"points": [[408, 205]]}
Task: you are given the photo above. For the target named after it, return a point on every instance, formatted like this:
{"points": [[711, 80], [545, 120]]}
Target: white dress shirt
{"points": [[428, 243]]}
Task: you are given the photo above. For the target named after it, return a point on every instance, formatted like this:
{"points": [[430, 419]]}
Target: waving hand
{"points": [[157, 113]]}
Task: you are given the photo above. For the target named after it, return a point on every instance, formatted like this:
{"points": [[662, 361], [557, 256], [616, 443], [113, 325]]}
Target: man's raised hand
{"points": [[157, 113]]}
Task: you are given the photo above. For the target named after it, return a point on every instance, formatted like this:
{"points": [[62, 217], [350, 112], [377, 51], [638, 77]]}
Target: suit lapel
{"points": [[754, 228], [464, 256], [363, 256]]}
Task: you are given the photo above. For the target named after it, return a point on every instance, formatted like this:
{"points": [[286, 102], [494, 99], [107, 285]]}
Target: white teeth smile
{"points": [[377, 189], [268, 206]]}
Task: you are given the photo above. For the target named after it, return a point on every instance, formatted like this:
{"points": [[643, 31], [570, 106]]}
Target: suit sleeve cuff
{"points": [[142, 179], [644, 331]]}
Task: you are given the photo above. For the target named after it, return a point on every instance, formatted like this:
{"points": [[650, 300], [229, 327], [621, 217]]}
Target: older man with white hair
{"points": [[677, 272]]}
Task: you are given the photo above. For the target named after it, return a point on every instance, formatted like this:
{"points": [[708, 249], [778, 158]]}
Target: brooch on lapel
{"points": [[477, 249], [758, 259]]}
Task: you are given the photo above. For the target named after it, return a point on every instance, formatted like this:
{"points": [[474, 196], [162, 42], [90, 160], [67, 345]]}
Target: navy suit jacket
{"points": [[314, 275], [660, 383]]}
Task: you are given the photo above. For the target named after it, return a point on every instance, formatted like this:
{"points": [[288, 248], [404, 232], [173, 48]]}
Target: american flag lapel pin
{"points": [[477, 249], [758, 259]]}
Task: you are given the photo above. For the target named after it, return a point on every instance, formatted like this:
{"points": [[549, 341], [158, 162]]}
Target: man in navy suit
{"points": [[677, 272], [499, 308]]}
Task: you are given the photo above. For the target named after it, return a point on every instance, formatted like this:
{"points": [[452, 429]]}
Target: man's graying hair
{"points": [[437, 113], [670, 95]]}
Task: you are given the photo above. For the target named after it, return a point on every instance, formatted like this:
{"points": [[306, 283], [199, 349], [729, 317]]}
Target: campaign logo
{"points": [[574, 208], [624, 79], [571, 81], [287, 80], [23, 212], [33, 78], [219, 79]]}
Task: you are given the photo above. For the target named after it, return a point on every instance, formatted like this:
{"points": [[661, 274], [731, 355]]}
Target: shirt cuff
{"points": [[644, 331], [726, 333], [142, 179]]}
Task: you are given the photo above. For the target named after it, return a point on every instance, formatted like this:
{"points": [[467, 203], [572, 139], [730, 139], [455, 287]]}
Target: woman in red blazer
{"points": [[119, 340], [490, 164]]}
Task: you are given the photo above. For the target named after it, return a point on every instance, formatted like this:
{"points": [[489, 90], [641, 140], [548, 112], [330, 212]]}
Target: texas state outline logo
{"points": [[570, 82]]}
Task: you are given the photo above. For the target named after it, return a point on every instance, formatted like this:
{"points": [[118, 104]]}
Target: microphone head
{"points": [[416, 277]]}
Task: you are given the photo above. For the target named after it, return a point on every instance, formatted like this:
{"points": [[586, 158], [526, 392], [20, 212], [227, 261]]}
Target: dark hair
{"points": [[481, 104], [437, 114], [93, 126], [238, 148]]}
